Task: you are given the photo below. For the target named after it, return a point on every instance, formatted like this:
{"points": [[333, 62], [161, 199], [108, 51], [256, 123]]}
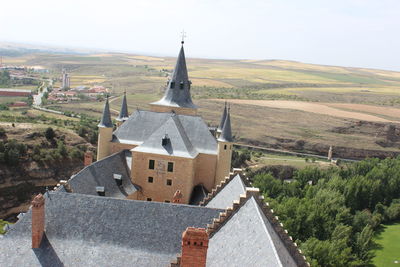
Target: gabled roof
{"points": [[227, 192], [123, 114], [223, 118], [142, 124], [101, 174], [106, 117], [248, 234], [226, 133], [177, 93], [178, 143], [83, 230]]}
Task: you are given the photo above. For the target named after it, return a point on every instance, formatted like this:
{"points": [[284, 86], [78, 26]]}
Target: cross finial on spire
{"points": [[183, 34]]}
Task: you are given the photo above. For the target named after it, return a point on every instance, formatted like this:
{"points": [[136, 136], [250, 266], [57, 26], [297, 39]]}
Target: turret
{"points": [[221, 124], [224, 157], [123, 114], [177, 96], [105, 133]]}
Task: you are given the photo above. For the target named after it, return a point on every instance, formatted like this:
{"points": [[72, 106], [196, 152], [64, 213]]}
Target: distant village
{"points": [[67, 94], [31, 75]]}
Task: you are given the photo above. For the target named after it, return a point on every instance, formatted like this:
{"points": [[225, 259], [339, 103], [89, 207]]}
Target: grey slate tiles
{"points": [[83, 230], [101, 174]]}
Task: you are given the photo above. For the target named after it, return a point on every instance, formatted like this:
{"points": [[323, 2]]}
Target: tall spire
{"points": [[226, 134], [221, 124], [123, 114], [106, 117], [178, 89]]}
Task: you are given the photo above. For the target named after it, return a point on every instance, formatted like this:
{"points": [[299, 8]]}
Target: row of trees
{"points": [[334, 213]]}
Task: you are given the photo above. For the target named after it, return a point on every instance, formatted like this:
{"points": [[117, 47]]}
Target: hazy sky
{"points": [[359, 33]]}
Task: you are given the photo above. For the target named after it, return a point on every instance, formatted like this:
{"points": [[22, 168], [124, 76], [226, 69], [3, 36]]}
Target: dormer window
{"points": [[100, 190], [165, 140], [118, 178], [181, 85], [172, 85]]}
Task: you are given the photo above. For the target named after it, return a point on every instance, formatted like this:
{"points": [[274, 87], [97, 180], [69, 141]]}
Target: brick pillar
{"points": [[88, 158], [177, 197], [38, 220], [194, 247]]}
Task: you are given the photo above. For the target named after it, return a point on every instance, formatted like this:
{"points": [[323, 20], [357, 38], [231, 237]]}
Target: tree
{"points": [[49, 133]]}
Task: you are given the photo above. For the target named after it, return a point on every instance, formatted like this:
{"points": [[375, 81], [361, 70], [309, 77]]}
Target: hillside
{"points": [[349, 108]]}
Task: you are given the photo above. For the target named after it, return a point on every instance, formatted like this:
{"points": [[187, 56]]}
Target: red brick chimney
{"points": [[88, 158], [194, 247], [177, 197], [37, 220]]}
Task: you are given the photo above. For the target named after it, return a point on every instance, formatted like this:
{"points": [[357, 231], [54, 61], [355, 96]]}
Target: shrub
{"points": [[49, 133]]}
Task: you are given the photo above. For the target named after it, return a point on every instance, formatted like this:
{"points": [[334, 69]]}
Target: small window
{"points": [[151, 164], [150, 179], [169, 182], [149, 199], [181, 85], [170, 166], [167, 201], [225, 147], [172, 85]]}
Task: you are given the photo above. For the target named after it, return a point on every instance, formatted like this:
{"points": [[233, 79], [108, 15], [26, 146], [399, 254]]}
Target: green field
{"points": [[388, 243]]}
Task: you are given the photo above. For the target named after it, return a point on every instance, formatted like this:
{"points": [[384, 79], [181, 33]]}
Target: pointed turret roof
{"points": [[123, 114], [226, 133], [223, 118], [178, 89], [106, 117]]}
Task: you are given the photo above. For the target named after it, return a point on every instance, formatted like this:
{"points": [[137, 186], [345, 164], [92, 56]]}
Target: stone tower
{"points": [[224, 157], [65, 80], [177, 96], [123, 114], [105, 133]]}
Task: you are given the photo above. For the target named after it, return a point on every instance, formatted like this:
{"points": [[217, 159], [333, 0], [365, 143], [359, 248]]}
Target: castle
{"points": [[115, 211], [171, 146]]}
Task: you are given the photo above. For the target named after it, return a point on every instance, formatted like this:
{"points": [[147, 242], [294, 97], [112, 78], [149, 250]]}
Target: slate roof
{"points": [[177, 144], [106, 116], [123, 114], [248, 239], [101, 174], [177, 93], [223, 118], [226, 133], [83, 230], [190, 130], [230, 192]]}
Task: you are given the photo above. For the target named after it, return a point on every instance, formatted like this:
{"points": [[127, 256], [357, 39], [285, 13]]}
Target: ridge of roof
{"points": [[236, 172], [252, 192], [179, 144], [123, 114], [106, 117]]}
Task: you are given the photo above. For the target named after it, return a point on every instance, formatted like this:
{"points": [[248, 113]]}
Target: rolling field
{"points": [[388, 252], [281, 104]]}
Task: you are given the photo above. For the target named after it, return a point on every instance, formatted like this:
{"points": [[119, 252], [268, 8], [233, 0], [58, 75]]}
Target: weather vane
{"points": [[183, 33]]}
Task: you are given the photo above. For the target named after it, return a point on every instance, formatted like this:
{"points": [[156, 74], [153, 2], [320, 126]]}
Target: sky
{"points": [[356, 33]]}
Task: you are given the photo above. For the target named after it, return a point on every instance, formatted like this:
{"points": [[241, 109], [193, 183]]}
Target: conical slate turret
{"points": [[106, 117], [226, 134], [178, 89], [123, 115], [223, 118]]}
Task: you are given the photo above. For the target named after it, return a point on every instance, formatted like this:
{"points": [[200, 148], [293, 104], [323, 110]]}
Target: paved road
{"points": [[37, 99]]}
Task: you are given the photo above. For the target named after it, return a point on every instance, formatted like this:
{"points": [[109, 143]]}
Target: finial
{"points": [[183, 34]]}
